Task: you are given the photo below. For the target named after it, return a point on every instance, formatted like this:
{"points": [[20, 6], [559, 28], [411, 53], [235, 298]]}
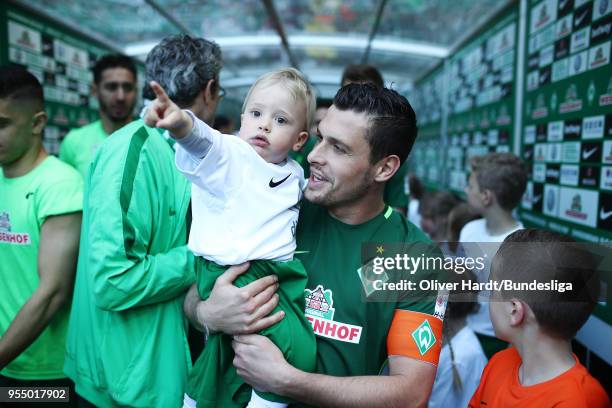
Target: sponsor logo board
{"points": [[539, 172], [578, 206], [599, 55], [606, 154], [604, 216], [571, 152], [551, 200], [589, 176], [555, 131], [569, 174], [580, 40], [593, 127], [606, 178], [601, 8], [578, 63]]}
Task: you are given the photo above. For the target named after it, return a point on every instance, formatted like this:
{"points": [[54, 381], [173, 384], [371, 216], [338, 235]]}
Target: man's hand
{"points": [[165, 114], [260, 363], [234, 310]]}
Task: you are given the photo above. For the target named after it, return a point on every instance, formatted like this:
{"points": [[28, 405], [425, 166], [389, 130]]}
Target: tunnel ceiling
{"points": [[403, 38]]}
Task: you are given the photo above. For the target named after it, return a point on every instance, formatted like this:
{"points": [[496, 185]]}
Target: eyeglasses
{"points": [[221, 92]]}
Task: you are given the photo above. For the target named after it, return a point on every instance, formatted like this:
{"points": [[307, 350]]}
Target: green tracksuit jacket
{"points": [[126, 343]]}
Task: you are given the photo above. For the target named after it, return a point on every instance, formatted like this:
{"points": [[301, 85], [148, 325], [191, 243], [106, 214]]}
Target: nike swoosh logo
{"points": [[537, 198], [588, 153], [277, 183], [604, 215], [578, 20]]}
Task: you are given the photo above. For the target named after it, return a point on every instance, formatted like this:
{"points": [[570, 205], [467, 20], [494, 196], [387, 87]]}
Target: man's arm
{"points": [[57, 258], [261, 364], [136, 253], [234, 310]]}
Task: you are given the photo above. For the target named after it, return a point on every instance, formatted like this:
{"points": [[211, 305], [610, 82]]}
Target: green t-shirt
{"points": [[395, 190], [351, 333], [80, 144], [52, 188]]}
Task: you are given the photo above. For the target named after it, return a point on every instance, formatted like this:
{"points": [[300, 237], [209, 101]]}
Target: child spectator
{"points": [[496, 186], [461, 359], [460, 215], [540, 370], [434, 213]]}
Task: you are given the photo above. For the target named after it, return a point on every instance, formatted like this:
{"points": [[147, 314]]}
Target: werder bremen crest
{"points": [[424, 337], [591, 92]]}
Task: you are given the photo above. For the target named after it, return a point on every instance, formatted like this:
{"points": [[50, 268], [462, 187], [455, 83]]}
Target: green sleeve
{"points": [[62, 197], [137, 253]]}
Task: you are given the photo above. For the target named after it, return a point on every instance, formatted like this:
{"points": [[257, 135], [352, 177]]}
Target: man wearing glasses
{"points": [[127, 336], [115, 87]]}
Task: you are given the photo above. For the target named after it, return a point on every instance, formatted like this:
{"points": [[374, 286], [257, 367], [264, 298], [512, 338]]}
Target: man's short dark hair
{"points": [[544, 256], [393, 126], [504, 174], [111, 61], [183, 66], [362, 73], [20, 85]]}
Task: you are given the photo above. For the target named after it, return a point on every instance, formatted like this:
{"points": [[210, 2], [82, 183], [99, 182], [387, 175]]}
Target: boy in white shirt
{"points": [[495, 188], [245, 200]]}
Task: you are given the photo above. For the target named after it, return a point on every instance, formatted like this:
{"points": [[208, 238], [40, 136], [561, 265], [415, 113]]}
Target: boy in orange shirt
{"points": [[540, 369]]}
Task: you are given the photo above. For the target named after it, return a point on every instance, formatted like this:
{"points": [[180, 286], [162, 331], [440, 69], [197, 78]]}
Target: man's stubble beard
{"points": [[116, 119], [331, 199]]}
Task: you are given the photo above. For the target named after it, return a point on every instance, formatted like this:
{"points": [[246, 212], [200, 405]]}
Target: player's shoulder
{"points": [[53, 180], [406, 230], [132, 136], [55, 170], [83, 130], [129, 144]]}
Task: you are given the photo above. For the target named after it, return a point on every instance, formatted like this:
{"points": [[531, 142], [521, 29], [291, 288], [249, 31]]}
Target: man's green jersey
{"points": [[127, 343], [351, 333], [52, 188]]}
